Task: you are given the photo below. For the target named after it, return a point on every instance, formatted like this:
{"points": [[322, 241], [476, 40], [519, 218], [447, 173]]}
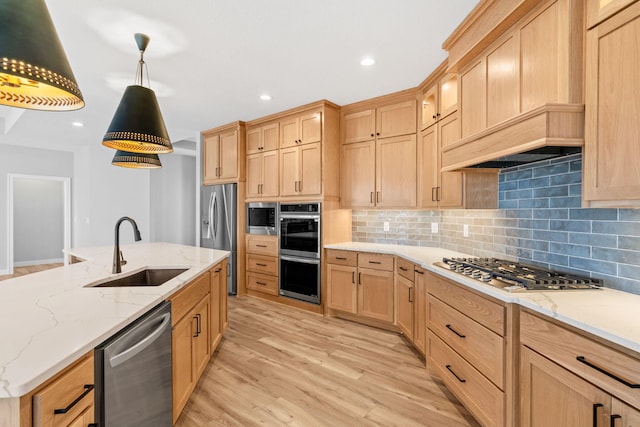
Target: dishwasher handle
{"points": [[127, 354]]}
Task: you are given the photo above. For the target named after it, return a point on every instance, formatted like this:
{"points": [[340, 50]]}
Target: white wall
{"points": [[28, 161], [173, 200], [38, 221], [102, 193]]}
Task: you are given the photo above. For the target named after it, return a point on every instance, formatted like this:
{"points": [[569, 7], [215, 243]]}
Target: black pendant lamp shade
{"points": [[34, 70], [126, 159], [137, 125]]}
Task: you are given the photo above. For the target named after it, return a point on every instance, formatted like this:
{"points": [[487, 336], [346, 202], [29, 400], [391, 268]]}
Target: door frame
{"points": [[66, 190]]}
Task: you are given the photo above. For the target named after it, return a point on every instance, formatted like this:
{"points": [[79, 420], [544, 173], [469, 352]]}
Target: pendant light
{"points": [[137, 125], [126, 159], [34, 70]]}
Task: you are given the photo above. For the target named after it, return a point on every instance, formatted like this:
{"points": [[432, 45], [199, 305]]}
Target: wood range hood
{"points": [[520, 83]]}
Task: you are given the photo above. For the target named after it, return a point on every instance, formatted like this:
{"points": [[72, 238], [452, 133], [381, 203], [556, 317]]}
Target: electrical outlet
{"points": [[385, 225], [434, 227], [465, 230]]}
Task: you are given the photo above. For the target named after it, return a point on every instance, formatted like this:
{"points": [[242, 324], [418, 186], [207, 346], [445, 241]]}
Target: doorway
{"points": [[39, 219]]}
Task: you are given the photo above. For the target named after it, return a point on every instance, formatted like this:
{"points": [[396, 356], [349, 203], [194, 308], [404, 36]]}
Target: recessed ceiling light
{"points": [[265, 97], [367, 62], [78, 124]]}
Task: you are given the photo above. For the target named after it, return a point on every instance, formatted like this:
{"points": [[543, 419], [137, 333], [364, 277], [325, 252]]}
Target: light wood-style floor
{"points": [[279, 366], [21, 271]]}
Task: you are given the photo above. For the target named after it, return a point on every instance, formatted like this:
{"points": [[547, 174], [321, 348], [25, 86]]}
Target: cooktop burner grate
{"points": [[514, 276]]}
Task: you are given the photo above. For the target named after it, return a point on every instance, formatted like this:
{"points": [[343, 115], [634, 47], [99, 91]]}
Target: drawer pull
{"points": [[454, 374], [87, 390], [341, 258], [218, 270], [403, 269], [596, 407], [582, 359], [261, 246], [375, 262], [455, 332], [261, 283], [260, 264], [353, 277], [418, 271]]}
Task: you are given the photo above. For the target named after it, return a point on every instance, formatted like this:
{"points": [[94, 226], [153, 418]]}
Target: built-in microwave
{"points": [[262, 218]]}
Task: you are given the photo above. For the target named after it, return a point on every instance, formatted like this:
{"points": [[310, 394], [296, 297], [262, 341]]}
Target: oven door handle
{"points": [[302, 260], [298, 216]]}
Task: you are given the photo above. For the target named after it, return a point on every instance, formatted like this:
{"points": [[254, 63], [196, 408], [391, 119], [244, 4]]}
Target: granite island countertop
{"points": [[50, 319], [606, 313]]}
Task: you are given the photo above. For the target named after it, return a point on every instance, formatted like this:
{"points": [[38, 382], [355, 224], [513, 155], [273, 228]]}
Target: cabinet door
{"points": [[405, 306], [310, 128], [473, 100], [448, 99], [201, 335], [611, 150], [429, 107], [215, 326], [270, 174], [211, 157], [228, 155], [552, 396], [341, 288], [623, 415], [310, 169], [428, 168], [420, 312], [224, 296], [357, 178], [599, 10], [289, 132], [375, 294], [254, 140], [289, 171], [254, 175], [396, 119], [270, 137], [450, 192], [396, 171], [182, 363], [359, 126]]}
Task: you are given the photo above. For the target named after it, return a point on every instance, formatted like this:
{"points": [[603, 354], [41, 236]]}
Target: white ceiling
{"points": [[209, 60]]}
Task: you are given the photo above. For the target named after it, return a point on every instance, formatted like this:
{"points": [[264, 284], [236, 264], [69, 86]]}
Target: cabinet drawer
{"points": [[482, 348], [61, 393], [564, 347], [347, 258], [488, 313], [262, 283], [375, 261], [185, 299], [405, 268], [262, 264], [483, 399], [262, 245]]}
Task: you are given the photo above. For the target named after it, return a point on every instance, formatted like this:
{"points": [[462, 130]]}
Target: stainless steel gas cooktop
{"points": [[513, 276]]}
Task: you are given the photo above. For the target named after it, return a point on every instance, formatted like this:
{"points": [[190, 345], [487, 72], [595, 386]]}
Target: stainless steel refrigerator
{"points": [[219, 224]]}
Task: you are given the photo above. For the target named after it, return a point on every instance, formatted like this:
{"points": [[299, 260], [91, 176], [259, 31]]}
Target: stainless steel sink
{"points": [[147, 277]]}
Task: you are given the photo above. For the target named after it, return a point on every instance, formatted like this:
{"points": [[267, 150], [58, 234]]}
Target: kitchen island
{"points": [[51, 318]]}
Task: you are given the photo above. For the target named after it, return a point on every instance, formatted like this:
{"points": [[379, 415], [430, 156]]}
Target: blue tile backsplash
{"points": [[539, 221]]}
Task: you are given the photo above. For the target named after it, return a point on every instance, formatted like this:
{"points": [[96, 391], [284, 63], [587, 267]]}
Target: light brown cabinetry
{"points": [[378, 154], [593, 381], [611, 176], [263, 138], [71, 391], [303, 129], [301, 170], [420, 311], [467, 347], [362, 285], [599, 10], [520, 84], [262, 174], [262, 264], [218, 303], [439, 98], [405, 298], [223, 153], [190, 348]]}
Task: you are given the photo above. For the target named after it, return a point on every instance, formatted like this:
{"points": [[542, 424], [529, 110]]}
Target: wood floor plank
{"points": [[280, 366]]}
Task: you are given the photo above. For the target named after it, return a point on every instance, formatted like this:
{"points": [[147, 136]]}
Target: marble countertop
{"points": [[50, 319], [607, 313]]}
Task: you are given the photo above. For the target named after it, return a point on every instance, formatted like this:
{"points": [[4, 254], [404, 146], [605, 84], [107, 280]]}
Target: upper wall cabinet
{"points": [[223, 153], [438, 100], [611, 176], [519, 80], [301, 129], [384, 121], [263, 138]]}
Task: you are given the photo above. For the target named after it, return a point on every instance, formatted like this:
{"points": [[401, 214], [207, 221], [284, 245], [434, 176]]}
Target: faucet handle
{"points": [[122, 260]]}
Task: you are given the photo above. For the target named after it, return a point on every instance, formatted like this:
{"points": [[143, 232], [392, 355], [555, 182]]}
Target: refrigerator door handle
{"points": [[226, 213], [214, 214]]}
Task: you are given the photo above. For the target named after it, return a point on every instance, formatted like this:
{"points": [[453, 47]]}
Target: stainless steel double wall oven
{"points": [[300, 251]]}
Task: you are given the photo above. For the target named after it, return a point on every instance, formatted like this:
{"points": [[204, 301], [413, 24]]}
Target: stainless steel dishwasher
{"points": [[133, 373]]}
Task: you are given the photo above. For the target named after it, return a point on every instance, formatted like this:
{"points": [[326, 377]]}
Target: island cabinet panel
{"points": [[61, 393], [611, 173]]}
